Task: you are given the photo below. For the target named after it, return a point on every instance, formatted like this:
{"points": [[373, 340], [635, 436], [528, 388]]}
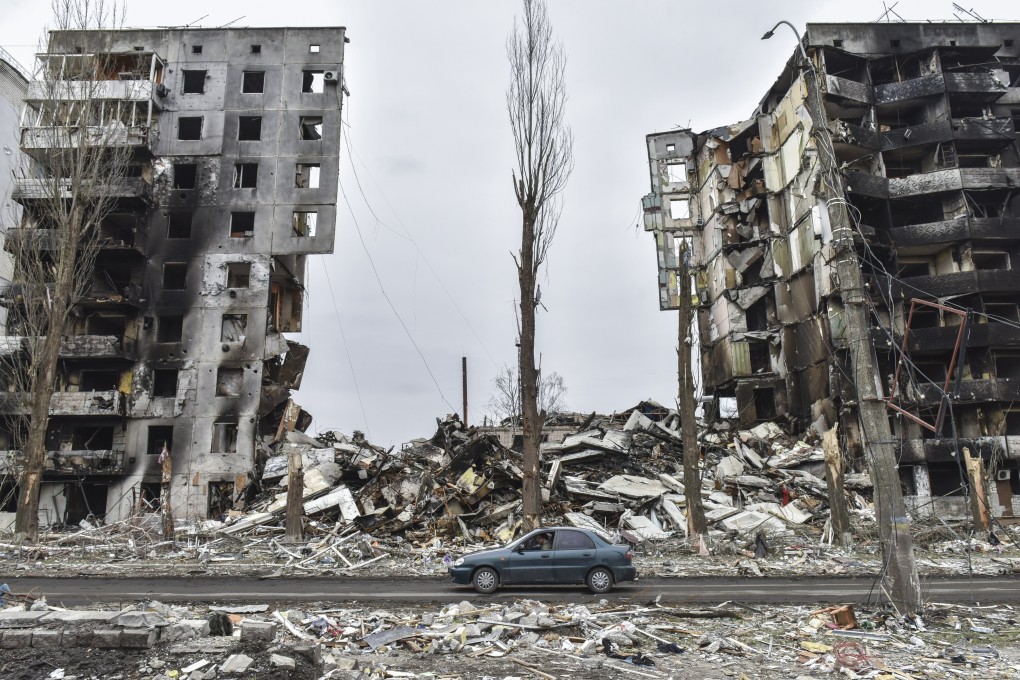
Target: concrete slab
{"points": [[16, 639], [20, 619], [138, 638], [47, 639], [83, 616], [236, 664], [106, 638]]}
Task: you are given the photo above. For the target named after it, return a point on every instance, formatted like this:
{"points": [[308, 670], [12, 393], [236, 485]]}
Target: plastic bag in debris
{"points": [[320, 624], [609, 648], [669, 648], [39, 605]]}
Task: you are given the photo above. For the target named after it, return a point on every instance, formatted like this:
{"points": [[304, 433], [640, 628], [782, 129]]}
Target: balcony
{"points": [[74, 346], [960, 283], [941, 450], [38, 189], [105, 403], [132, 91], [971, 392], [40, 141], [849, 90], [69, 463], [982, 86], [938, 181], [948, 231], [998, 130], [942, 339], [915, 88]]}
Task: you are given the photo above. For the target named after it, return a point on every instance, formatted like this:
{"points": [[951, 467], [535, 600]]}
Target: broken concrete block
{"points": [[106, 638], [16, 639], [185, 630], [141, 619], [138, 638], [258, 631], [589, 648], [236, 664], [47, 639], [311, 651], [280, 661]]}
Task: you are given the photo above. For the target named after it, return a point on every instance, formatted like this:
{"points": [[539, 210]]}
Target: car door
{"points": [[575, 554], [530, 564]]}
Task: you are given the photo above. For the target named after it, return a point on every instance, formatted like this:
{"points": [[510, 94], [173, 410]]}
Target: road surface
{"points": [[86, 590]]}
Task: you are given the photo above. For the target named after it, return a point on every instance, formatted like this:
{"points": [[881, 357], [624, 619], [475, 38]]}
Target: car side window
{"points": [[542, 541], [574, 540]]}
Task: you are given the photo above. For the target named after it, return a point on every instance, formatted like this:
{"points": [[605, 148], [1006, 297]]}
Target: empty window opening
{"points": [[149, 494], [175, 276], [910, 267], [676, 172], [238, 274], [945, 479], [837, 43], [229, 381], [242, 224], [1002, 310], [160, 436], [249, 128], [194, 82], [178, 225], [233, 328], [1007, 366], [314, 49], [185, 175], [221, 498], [306, 176], [761, 357], [196, 49], [106, 324], [1012, 423], [930, 371], [990, 259], [189, 128], [256, 49], [311, 127], [224, 436], [83, 501], [925, 317], [312, 81], [92, 438], [894, 43], [757, 316], [246, 175], [164, 382], [670, 148], [253, 82], [304, 223], [679, 209], [170, 328], [98, 381], [765, 404]]}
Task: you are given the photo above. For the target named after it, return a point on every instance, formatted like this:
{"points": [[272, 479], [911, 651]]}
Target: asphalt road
{"points": [[85, 590]]}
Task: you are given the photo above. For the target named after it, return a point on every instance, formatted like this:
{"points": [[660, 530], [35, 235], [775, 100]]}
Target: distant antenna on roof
{"points": [[195, 21], [230, 22], [889, 9], [969, 12]]}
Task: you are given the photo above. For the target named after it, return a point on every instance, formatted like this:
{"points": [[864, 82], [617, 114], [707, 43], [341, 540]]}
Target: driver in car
{"points": [[541, 541]]}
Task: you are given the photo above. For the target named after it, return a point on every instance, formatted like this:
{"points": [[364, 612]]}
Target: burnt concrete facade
{"points": [[181, 341], [921, 124]]}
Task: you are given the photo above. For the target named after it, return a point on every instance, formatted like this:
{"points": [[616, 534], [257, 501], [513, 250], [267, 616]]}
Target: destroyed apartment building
{"points": [[180, 340], [922, 119]]}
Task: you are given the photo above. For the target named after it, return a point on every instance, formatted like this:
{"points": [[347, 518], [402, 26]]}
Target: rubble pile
{"points": [[523, 638]]}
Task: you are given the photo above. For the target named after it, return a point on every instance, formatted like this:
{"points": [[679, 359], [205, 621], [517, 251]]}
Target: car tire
{"points": [[485, 580], [600, 580]]}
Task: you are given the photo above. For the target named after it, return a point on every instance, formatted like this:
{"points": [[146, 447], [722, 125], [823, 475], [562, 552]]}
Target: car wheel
{"points": [[485, 580], [600, 580]]}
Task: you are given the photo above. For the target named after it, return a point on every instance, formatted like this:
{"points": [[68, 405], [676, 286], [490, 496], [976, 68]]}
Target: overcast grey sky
{"points": [[433, 154]]}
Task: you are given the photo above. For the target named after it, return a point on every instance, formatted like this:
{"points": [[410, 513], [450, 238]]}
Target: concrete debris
{"points": [[496, 639]]}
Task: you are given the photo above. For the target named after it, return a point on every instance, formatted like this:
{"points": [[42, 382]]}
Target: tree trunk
{"points": [[978, 495], [166, 510], [530, 416], [839, 516], [295, 493], [26, 523], [696, 523]]}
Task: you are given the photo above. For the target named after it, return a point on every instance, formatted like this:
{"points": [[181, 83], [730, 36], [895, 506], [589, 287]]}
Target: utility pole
{"points": [[696, 523], [166, 478], [463, 378], [901, 583], [295, 493]]}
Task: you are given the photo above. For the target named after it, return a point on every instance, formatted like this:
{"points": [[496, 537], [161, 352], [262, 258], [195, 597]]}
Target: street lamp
{"points": [[800, 43]]}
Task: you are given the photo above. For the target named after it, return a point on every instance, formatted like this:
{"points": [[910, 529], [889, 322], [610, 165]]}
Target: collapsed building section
{"points": [[179, 342], [922, 120]]}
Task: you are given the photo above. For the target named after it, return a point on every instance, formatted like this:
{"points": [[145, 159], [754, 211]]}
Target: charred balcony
{"points": [[85, 462], [92, 403], [942, 450], [966, 228], [942, 339], [130, 192], [957, 283], [971, 391]]}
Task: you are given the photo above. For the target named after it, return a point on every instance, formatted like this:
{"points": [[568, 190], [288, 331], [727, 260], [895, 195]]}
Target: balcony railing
{"points": [[62, 463], [35, 140], [34, 189], [143, 91], [97, 403]]}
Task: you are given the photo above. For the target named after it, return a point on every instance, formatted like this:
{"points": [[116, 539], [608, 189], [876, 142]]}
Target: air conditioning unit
{"points": [[331, 77], [1002, 475]]}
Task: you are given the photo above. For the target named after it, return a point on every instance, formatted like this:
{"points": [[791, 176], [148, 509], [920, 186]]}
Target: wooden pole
{"points": [[978, 493], [295, 493], [166, 511], [839, 515], [463, 372], [696, 523]]}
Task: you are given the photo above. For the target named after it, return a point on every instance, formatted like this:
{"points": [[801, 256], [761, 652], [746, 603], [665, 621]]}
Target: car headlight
{"points": [[459, 562]]}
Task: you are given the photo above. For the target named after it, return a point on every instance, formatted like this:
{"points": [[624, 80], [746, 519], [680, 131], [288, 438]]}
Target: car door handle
{"points": [[587, 554], [545, 557]]}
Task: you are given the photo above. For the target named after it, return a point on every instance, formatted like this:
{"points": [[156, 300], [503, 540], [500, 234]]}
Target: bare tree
{"points": [[535, 100], [77, 141], [505, 402], [686, 343]]}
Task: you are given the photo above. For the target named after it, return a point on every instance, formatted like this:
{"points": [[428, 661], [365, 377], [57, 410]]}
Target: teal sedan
{"points": [[550, 555]]}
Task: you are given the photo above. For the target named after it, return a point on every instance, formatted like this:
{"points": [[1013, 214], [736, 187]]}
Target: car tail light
{"points": [[629, 556]]}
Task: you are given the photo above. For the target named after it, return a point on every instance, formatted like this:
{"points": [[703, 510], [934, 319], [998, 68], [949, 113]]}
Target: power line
{"points": [[347, 347]]}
